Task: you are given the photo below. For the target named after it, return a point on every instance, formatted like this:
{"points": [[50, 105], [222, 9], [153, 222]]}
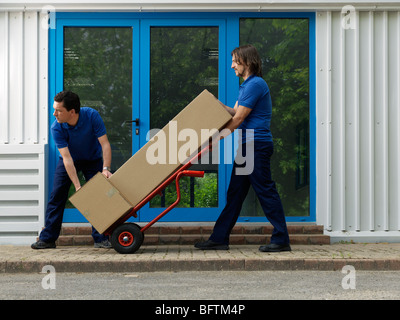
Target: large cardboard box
{"points": [[160, 157], [140, 175], [100, 202]]}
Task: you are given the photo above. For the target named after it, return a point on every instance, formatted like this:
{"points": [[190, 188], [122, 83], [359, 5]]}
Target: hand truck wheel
{"points": [[127, 238]]}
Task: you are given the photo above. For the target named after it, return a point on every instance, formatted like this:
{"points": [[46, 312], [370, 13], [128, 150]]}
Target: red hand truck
{"points": [[127, 237]]}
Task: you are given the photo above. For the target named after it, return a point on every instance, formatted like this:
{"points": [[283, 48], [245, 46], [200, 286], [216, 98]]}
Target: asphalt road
{"points": [[231, 285]]}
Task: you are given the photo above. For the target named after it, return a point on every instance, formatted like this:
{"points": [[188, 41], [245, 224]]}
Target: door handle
{"points": [[136, 121]]}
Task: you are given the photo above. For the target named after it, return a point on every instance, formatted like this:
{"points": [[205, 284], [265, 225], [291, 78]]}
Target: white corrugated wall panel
{"points": [[358, 116], [16, 77], [22, 192], [23, 125], [4, 83], [23, 78], [31, 77], [394, 119]]}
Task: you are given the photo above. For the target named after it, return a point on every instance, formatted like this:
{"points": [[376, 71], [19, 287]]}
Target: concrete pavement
{"points": [[149, 258]]}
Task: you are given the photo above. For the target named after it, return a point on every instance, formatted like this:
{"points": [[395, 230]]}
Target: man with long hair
{"points": [[252, 114]]}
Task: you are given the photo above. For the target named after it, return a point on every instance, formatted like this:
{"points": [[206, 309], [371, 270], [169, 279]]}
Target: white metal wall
{"points": [[23, 125], [22, 192], [23, 78], [358, 125]]}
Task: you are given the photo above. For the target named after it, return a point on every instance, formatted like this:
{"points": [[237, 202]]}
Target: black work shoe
{"points": [[104, 244], [211, 245], [273, 247], [43, 245]]}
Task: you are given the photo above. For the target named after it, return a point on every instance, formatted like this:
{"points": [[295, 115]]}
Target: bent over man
{"points": [[80, 136]]}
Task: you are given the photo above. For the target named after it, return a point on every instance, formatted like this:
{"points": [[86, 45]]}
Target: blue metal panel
{"points": [[52, 91], [313, 119]]}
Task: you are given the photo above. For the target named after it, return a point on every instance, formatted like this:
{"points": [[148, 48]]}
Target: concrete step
{"points": [[190, 234]]}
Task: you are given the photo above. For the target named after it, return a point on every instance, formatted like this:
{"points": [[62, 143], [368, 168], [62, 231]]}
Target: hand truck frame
{"points": [[127, 237]]}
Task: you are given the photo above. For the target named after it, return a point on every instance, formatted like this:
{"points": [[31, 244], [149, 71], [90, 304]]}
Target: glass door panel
{"points": [[183, 62], [283, 45], [98, 67], [179, 59]]}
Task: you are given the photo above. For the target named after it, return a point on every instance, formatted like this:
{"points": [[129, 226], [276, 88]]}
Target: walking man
{"points": [[251, 114]]}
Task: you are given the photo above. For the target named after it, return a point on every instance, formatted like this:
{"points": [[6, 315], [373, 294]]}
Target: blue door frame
{"points": [[228, 24]]}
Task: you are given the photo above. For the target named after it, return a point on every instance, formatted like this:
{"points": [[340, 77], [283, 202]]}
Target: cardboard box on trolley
{"points": [[100, 202], [160, 157]]}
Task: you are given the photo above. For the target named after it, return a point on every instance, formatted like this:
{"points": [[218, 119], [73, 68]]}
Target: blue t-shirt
{"points": [[81, 139], [254, 94]]}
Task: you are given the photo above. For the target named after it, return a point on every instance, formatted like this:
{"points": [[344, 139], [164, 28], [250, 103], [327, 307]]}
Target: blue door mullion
{"points": [[136, 71], [232, 85]]}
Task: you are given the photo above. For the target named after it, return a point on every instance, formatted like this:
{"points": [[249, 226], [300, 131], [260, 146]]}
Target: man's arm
{"points": [[70, 167], [239, 114], [232, 111], [106, 147]]}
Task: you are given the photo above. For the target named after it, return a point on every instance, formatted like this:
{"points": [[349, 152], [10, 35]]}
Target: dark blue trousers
{"points": [[265, 189], [59, 197]]}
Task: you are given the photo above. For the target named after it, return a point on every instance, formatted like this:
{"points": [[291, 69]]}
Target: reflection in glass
{"points": [[183, 62], [284, 49], [98, 67]]}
